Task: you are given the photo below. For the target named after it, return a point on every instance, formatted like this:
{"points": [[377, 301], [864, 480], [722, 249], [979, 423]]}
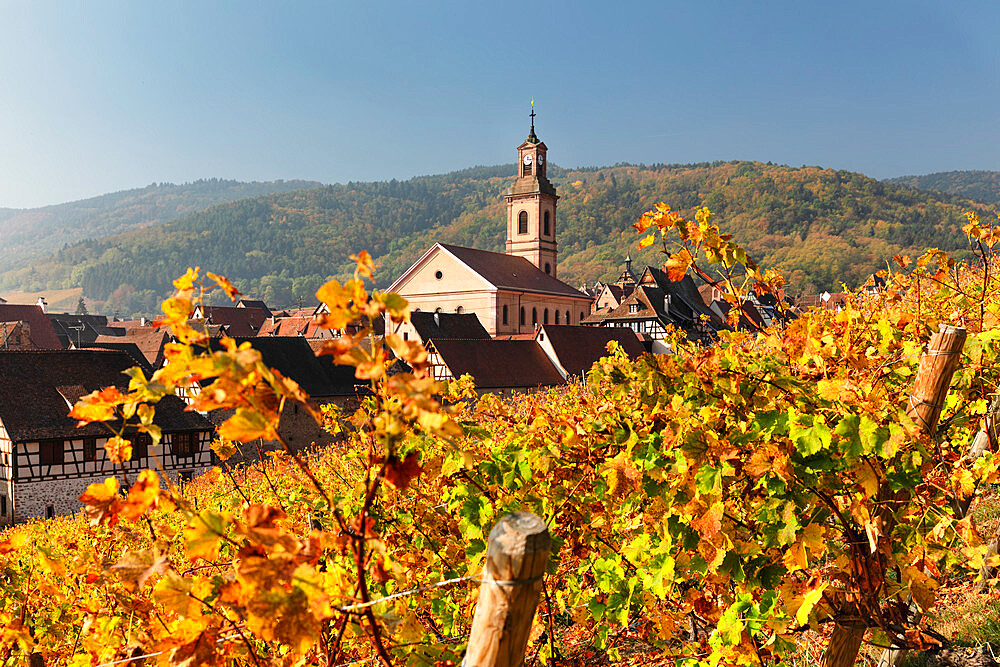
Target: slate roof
{"points": [[512, 272], [32, 407], [43, 335], [498, 364], [447, 325], [293, 357], [78, 329], [253, 303], [577, 347]]}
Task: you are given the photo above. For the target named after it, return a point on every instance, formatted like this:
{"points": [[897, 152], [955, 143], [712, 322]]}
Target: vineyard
{"points": [[807, 485]]}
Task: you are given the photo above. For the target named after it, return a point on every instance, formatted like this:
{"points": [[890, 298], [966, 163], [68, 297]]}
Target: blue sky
{"points": [[103, 96]]}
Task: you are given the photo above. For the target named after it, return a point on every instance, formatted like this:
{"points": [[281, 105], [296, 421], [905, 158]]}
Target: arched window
{"points": [[522, 222], [546, 316], [548, 268], [522, 316], [460, 310], [534, 316], [505, 314], [438, 309], [546, 224], [557, 317]]}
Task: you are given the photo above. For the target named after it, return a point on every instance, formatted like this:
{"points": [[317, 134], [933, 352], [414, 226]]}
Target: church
{"points": [[511, 292]]}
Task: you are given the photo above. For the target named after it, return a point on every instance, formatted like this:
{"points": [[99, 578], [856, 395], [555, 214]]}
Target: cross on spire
{"points": [[531, 135]]}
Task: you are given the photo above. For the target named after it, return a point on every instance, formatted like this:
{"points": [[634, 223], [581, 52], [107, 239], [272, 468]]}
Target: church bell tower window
{"points": [[522, 222], [546, 226]]}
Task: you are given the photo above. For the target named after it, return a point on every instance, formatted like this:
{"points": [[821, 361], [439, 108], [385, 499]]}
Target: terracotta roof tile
{"points": [[42, 334], [239, 321]]}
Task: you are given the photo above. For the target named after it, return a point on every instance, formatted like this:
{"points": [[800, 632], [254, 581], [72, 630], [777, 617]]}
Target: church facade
{"points": [[511, 292]]}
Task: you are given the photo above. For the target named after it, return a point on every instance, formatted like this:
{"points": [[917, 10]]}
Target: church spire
{"points": [[531, 135]]}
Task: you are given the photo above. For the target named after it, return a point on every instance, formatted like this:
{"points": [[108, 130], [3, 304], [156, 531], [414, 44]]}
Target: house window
{"points": [[182, 444], [567, 317], [51, 452], [548, 268], [50, 511], [522, 316], [546, 225], [3, 505], [140, 446], [90, 449], [460, 310], [534, 316], [438, 275], [633, 308], [581, 316], [406, 335], [557, 317], [505, 314], [522, 222], [546, 316]]}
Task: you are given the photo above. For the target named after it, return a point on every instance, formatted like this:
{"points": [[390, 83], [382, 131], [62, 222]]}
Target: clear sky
{"points": [[104, 96]]}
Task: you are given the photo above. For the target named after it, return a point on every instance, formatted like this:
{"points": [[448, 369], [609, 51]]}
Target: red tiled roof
{"points": [[42, 334], [240, 321], [577, 348], [33, 408], [498, 364], [512, 272], [150, 342]]}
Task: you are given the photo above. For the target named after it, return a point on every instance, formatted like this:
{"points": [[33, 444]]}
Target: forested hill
{"points": [[981, 186], [29, 233], [823, 227]]}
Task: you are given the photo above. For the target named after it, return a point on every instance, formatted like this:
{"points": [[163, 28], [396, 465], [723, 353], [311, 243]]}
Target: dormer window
{"points": [[522, 222], [633, 308]]}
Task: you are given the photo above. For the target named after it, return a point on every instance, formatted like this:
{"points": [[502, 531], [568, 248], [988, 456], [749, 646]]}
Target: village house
{"points": [[33, 323], [238, 320], [46, 462], [657, 303], [509, 292]]}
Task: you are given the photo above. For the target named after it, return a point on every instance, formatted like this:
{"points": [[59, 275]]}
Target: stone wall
{"points": [[32, 499]]}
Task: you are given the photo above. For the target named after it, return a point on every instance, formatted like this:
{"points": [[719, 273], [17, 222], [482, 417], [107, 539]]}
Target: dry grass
{"points": [[59, 300]]}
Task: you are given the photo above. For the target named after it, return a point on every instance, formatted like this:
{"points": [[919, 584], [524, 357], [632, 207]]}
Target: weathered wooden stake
{"points": [[512, 583], [937, 366]]}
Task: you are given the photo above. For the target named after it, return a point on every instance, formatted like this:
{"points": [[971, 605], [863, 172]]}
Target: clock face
{"points": [[541, 159], [527, 159]]}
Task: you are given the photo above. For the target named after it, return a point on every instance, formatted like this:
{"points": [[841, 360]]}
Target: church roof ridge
{"points": [[511, 271]]}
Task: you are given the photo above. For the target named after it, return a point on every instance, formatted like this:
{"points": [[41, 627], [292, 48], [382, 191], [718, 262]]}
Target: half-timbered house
{"points": [[46, 462]]}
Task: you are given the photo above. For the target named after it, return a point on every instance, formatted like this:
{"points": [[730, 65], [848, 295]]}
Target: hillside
{"points": [[29, 233], [981, 186], [823, 227]]}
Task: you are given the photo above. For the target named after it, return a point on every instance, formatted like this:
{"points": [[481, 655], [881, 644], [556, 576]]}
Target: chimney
{"points": [[41, 303]]}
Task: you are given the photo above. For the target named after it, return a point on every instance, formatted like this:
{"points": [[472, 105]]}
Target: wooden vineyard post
{"points": [[518, 550], [937, 366]]}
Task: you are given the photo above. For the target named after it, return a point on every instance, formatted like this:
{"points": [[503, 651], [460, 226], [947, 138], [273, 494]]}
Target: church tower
{"points": [[531, 206]]}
